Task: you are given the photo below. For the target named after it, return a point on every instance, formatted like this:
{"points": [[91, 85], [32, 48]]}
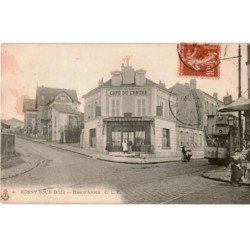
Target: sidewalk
{"points": [[19, 169], [109, 158], [223, 175]]}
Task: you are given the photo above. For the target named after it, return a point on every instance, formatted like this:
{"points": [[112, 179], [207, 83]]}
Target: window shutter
{"points": [[159, 111], [98, 111]]}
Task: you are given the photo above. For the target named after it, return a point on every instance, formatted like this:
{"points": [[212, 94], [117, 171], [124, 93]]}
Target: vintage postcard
{"points": [[125, 123]]}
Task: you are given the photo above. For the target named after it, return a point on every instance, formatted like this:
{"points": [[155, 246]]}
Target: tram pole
{"points": [[239, 95]]}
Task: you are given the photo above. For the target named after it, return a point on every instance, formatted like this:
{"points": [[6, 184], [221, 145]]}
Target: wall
{"points": [[7, 144], [28, 117], [100, 138], [198, 151], [157, 138]]}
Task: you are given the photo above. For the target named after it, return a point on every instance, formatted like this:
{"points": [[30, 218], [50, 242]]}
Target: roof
{"points": [[67, 109], [178, 88], [4, 125], [14, 121], [29, 104], [241, 104], [50, 94], [149, 83]]}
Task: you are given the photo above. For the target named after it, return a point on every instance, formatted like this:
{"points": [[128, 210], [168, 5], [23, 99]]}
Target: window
{"points": [[162, 106], [172, 114], [92, 137], [115, 107], [212, 109], [165, 138], [195, 139], [141, 107], [42, 97], [89, 111], [187, 138], [200, 140], [55, 121], [181, 138], [207, 107]]}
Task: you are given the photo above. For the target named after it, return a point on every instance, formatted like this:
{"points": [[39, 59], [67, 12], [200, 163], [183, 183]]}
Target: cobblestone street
{"points": [[173, 182]]}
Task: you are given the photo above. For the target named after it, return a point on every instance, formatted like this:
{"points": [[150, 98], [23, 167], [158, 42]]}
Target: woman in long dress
{"points": [[124, 146]]}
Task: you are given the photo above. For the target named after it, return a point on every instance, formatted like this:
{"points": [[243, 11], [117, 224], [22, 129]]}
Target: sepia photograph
{"points": [[125, 123]]}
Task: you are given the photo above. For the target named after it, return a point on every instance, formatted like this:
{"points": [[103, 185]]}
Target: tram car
{"points": [[221, 138]]}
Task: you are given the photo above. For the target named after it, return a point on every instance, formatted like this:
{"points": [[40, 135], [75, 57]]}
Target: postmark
{"points": [[199, 60]]}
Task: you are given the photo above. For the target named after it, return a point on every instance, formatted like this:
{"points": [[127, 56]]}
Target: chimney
{"points": [[193, 83], [116, 77], [215, 95], [140, 77], [128, 74]]}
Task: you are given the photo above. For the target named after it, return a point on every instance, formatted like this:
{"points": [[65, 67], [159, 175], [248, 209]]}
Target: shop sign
{"points": [[139, 92]]}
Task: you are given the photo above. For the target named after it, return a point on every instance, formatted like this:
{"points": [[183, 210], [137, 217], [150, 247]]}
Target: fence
{"points": [[7, 144]]}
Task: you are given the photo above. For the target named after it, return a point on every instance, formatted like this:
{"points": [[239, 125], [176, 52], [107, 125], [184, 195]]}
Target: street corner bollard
{"points": [[236, 174]]}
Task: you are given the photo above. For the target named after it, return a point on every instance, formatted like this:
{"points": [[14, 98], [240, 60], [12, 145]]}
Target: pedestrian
{"points": [[124, 146], [129, 147], [108, 148], [236, 168], [184, 154], [189, 154]]}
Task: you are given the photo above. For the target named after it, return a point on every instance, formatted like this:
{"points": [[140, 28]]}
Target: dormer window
{"points": [[62, 98]]}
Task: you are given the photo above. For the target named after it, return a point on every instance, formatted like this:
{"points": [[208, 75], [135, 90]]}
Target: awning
{"points": [[241, 104], [128, 119]]}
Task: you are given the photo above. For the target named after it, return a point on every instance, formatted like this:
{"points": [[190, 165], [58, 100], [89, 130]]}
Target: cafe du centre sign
{"points": [[128, 92]]}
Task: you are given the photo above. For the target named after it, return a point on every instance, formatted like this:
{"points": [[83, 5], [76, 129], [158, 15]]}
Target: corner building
{"points": [[132, 107]]}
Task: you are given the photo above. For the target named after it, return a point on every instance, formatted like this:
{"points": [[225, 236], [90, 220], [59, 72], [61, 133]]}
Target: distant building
{"points": [[15, 124], [130, 107], [193, 106], [57, 111], [30, 116], [5, 128]]}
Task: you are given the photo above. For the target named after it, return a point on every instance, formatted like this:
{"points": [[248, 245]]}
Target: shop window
{"points": [[116, 138], [139, 138], [141, 107], [165, 138], [92, 137]]}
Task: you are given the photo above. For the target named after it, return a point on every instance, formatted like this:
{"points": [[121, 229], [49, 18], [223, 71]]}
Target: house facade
{"points": [[130, 106], [56, 109], [193, 106], [30, 116]]}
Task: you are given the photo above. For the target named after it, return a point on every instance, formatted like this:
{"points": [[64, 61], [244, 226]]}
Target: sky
{"points": [[81, 66]]}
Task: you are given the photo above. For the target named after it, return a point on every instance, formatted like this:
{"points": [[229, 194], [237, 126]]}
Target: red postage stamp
{"points": [[201, 60]]}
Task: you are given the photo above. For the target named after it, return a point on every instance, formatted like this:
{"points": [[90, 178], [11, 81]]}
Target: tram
{"points": [[222, 138]]}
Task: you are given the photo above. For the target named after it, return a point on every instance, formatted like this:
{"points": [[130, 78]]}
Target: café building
{"points": [[130, 106]]}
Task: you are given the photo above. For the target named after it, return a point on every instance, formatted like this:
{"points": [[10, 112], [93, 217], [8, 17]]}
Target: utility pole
{"points": [[239, 95]]}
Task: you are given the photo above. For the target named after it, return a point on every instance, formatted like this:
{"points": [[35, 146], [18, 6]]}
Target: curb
{"points": [[101, 159], [22, 172], [220, 179]]}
